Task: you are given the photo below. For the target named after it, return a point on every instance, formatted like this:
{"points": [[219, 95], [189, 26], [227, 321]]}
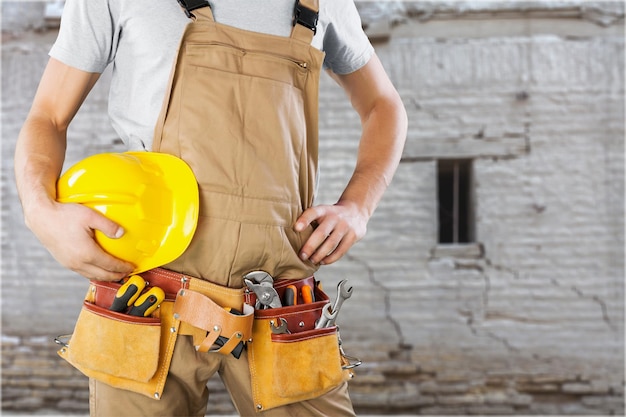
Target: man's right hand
{"points": [[67, 231]]}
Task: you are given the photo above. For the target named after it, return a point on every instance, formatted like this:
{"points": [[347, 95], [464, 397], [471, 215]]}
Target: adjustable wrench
{"points": [[344, 291]]}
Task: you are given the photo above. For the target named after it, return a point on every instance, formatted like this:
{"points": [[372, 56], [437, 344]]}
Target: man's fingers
{"points": [[309, 217], [95, 263], [98, 264], [99, 274], [337, 229], [329, 243], [106, 226], [338, 252], [335, 246], [319, 238]]}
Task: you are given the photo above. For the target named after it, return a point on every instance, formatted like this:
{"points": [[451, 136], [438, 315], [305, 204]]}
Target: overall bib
{"points": [[242, 111]]}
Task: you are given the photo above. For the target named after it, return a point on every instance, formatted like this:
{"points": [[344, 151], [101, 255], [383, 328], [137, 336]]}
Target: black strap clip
{"points": [[191, 5], [305, 16]]}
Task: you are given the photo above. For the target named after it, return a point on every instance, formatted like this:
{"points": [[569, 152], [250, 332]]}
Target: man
{"points": [[140, 40]]}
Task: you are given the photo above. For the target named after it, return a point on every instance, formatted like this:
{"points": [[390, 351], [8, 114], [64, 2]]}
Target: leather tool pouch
{"points": [[206, 320], [300, 365], [134, 353]]}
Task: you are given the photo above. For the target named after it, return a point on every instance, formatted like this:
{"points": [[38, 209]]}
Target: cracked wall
{"points": [[529, 320]]}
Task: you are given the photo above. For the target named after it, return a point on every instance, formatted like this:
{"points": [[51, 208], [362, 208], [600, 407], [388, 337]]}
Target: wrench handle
{"points": [[326, 317]]}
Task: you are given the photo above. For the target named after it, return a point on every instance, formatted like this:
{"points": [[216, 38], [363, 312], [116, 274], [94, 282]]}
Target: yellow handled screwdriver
{"points": [[128, 293], [148, 302]]}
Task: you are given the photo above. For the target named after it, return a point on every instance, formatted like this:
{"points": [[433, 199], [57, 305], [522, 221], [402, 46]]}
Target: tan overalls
{"points": [[242, 111]]}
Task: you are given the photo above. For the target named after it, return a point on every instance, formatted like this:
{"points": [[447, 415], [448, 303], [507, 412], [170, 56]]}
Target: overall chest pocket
{"points": [[241, 123], [262, 64]]}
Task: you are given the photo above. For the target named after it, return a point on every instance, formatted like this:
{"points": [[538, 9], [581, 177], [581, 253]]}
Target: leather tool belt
{"points": [[134, 353]]}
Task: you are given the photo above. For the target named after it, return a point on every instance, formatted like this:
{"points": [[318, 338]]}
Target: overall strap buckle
{"points": [[305, 17], [191, 5]]}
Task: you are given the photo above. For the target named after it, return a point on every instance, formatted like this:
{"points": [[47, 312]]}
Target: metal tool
{"points": [[259, 277], [344, 291], [262, 284], [326, 317], [281, 329], [348, 362]]}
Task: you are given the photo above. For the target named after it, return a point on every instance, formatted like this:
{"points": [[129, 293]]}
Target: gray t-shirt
{"points": [[140, 38]]}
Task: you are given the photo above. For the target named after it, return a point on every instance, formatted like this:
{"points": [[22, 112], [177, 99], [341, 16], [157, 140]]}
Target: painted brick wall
{"points": [[529, 320], [535, 324]]}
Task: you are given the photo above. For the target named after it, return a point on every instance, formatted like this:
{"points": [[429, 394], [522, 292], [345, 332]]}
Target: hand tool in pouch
{"points": [[280, 329], [148, 302], [329, 315], [262, 284], [291, 296], [128, 293], [308, 295]]}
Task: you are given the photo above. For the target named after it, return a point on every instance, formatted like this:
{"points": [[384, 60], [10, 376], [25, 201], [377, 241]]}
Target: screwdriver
{"points": [[291, 296], [307, 294], [148, 302], [128, 293]]}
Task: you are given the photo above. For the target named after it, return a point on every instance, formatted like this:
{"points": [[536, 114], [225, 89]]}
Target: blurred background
{"points": [[491, 281]]}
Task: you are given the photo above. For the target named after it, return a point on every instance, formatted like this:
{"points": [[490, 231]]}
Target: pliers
{"points": [[262, 284]]}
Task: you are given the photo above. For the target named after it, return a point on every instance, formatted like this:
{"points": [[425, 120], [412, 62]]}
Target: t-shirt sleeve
{"points": [[346, 46], [87, 36]]}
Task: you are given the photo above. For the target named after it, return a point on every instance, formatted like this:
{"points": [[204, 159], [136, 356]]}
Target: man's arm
{"points": [[66, 230], [384, 127]]}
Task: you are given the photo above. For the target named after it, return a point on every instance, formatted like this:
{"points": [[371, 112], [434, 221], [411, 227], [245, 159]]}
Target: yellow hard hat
{"points": [[153, 196]]}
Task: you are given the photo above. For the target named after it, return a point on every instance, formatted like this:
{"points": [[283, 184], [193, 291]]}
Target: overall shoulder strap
{"points": [[191, 5], [305, 18]]}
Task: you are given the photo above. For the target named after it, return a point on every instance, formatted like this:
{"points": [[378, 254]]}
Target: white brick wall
{"points": [[543, 114], [535, 92]]}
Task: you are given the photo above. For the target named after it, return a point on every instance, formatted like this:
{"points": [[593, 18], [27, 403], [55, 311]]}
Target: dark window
{"points": [[455, 198]]}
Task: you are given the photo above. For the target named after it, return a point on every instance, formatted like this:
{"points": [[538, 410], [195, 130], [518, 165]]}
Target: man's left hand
{"points": [[337, 228]]}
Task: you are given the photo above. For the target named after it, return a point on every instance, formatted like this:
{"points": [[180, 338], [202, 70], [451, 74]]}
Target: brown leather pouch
{"points": [[134, 353], [297, 366], [208, 320], [124, 351]]}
